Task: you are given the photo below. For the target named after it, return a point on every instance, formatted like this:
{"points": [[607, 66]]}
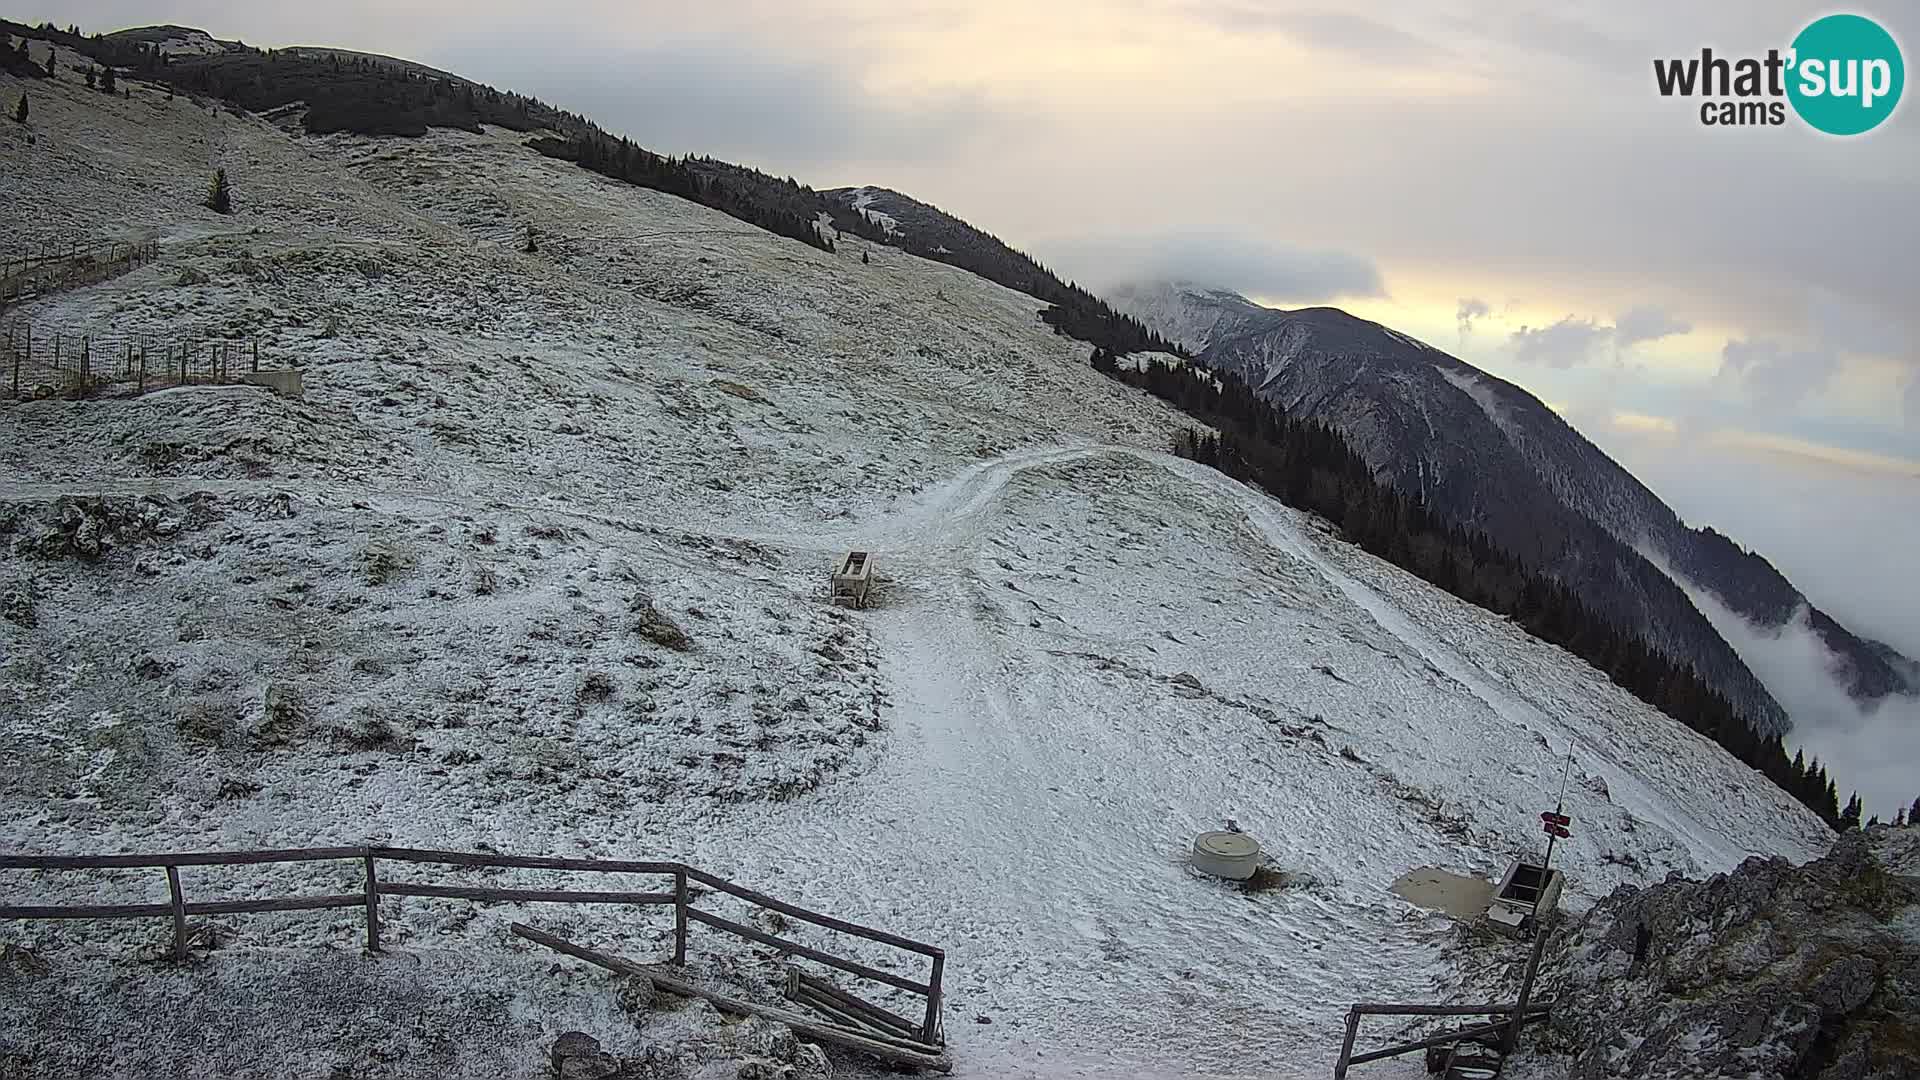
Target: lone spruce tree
{"points": [[219, 199], [20, 110], [107, 85]]}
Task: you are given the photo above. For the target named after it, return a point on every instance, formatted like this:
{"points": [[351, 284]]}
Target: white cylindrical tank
{"points": [[1226, 854]]}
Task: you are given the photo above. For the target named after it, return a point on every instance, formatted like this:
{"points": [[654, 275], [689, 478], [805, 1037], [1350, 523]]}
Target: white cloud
{"points": [[1873, 750], [1567, 343], [1646, 324], [1218, 258], [1471, 309], [1775, 377]]}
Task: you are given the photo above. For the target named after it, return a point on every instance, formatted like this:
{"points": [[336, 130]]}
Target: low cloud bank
{"points": [[1872, 749]]}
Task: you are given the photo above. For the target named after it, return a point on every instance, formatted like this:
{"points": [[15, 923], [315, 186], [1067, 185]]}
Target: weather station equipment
{"points": [[851, 579]]}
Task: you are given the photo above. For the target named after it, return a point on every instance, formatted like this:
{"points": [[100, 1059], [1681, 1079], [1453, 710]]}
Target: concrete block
{"points": [[284, 383]]}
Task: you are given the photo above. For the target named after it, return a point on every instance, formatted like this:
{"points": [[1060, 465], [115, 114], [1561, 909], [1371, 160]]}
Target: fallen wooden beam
{"points": [[873, 1014], [927, 1058], [841, 1018]]}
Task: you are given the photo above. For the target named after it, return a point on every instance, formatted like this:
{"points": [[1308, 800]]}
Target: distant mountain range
{"points": [[1488, 455]]}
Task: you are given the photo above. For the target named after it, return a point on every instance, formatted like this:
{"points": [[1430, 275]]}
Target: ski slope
{"points": [[1084, 652]]}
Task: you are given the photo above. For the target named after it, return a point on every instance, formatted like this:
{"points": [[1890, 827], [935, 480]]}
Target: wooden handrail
{"points": [[528, 862], [462, 892], [815, 917], [681, 899], [194, 858]]}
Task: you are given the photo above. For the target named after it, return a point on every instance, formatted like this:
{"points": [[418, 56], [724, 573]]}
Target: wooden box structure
{"points": [[851, 579], [1527, 890]]}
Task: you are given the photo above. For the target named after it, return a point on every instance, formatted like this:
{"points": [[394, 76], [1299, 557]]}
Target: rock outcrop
{"points": [[1771, 970]]}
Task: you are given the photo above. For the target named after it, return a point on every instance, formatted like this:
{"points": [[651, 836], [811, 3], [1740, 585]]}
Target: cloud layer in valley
{"points": [[1866, 748]]}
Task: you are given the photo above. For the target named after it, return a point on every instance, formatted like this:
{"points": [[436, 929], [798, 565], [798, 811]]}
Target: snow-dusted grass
{"points": [[411, 608]]}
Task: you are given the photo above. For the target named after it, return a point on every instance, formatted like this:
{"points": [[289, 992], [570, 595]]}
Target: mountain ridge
{"points": [[1513, 467]]}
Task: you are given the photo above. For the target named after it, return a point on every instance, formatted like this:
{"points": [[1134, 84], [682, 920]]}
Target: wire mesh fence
{"points": [[39, 361], [40, 269]]}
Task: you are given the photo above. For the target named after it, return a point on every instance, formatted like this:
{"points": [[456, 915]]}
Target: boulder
{"points": [[577, 1056]]}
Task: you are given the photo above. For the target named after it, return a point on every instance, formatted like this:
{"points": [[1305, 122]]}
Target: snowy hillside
{"points": [[432, 604]]}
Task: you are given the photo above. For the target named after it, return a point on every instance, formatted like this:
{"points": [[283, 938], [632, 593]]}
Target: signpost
{"points": [[1554, 823]]}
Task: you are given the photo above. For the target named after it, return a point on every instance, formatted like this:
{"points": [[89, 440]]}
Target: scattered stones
{"points": [[369, 730], [381, 563], [211, 719], [283, 714], [656, 626], [636, 996], [232, 788], [597, 686], [88, 527], [148, 666], [17, 604], [577, 1056]]}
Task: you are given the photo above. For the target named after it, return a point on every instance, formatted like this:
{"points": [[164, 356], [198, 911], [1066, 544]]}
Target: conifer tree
{"points": [[1850, 817], [20, 110], [92, 79], [219, 198], [107, 85]]}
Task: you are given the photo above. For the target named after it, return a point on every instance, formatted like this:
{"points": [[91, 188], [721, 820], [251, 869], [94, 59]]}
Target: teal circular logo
{"points": [[1846, 74]]}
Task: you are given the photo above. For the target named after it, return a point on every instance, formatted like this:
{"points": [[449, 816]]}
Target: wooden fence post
{"points": [[179, 914], [680, 917], [256, 354], [930, 1029], [141, 386], [1346, 1047], [373, 907]]}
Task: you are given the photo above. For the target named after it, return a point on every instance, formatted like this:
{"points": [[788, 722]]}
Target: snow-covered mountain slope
{"points": [[428, 604], [1492, 456]]}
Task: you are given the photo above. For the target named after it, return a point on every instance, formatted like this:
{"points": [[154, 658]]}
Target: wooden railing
{"points": [[374, 888], [1535, 1012]]}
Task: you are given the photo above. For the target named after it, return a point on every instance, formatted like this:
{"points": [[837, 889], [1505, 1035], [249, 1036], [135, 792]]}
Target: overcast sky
{"points": [[1724, 309]]}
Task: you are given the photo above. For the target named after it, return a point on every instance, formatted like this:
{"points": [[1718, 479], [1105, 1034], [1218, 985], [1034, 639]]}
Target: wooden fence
{"points": [[42, 361], [374, 888]]}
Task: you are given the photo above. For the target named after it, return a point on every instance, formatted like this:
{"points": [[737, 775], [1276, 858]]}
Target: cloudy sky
{"points": [[1730, 311]]}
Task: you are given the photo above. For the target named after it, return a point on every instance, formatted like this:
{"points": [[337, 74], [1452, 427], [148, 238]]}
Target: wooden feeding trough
{"points": [[1527, 890], [851, 580]]}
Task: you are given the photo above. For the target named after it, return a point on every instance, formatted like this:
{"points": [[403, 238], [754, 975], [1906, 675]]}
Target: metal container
{"points": [[1230, 855]]}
